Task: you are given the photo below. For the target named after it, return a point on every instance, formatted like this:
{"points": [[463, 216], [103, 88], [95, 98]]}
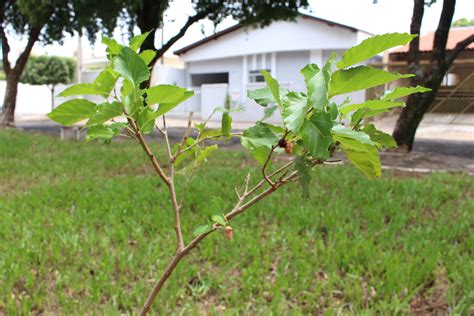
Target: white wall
{"points": [[168, 75], [305, 34], [288, 68], [32, 99], [233, 66]]}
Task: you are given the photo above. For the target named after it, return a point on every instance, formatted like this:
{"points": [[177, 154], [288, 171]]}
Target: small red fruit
{"points": [[229, 232], [289, 148], [282, 143]]}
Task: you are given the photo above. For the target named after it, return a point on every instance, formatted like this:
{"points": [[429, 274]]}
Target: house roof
{"points": [[455, 36], [239, 26]]}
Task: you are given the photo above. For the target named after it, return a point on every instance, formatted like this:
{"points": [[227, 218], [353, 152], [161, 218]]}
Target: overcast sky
{"points": [[385, 16]]}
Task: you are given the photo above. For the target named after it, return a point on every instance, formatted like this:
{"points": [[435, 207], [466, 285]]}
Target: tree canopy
{"points": [[48, 70]]}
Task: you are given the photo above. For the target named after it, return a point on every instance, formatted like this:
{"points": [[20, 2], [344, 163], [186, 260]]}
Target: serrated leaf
{"points": [[273, 85], [360, 78], [268, 112], [258, 135], [147, 56], [164, 93], [295, 106], [105, 112], [113, 48], [400, 92], [260, 154], [382, 140], [203, 229], [131, 66], [309, 71], [106, 80], [166, 107], [316, 134], [371, 105], [262, 96], [219, 219], [339, 132], [83, 89], [137, 41], [73, 111], [366, 160], [301, 165], [146, 120], [373, 46]]}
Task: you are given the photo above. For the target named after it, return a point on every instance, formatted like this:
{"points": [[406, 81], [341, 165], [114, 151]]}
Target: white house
{"points": [[230, 62]]}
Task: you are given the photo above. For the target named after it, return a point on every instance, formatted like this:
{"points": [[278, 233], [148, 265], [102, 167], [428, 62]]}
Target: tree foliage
{"points": [[463, 22], [49, 70]]}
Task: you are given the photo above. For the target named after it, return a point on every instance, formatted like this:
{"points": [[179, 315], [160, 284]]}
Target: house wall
{"points": [[288, 65], [303, 35], [231, 65]]}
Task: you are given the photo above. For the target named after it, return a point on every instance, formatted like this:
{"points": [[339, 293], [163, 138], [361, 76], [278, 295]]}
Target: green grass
{"points": [[86, 228]]}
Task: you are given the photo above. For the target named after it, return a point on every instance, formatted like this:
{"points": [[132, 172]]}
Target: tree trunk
{"points": [[418, 104], [410, 118], [9, 102]]}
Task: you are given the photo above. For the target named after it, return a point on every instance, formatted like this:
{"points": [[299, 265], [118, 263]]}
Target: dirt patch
{"points": [[432, 299]]}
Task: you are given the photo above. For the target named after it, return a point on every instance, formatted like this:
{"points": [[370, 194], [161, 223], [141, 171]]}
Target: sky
{"points": [[384, 17]]}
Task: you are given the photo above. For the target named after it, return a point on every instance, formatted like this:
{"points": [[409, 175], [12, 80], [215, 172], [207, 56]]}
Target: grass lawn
{"points": [[86, 228]]}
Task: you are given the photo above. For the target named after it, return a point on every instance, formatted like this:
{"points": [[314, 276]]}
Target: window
{"points": [[450, 79], [256, 75]]}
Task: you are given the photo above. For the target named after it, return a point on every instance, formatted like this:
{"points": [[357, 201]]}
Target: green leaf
{"points": [[131, 66], [83, 89], [373, 46], [105, 112], [359, 78], [318, 90], [203, 229], [166, 107], [273, 85], [382, 140], [371, 105], [268, 112], [403, 92], [205, 153], [113, 48], [219, 219], [309, 71], [295, 106], [146, 120], [316, 134], [366, 160], [262, 96], [258, 135], [339, 132], [73, 111], [260, 154], [137, 41], [106, 80], [226, 124], [164, 93], [147, 56], [104, 132], [301, 165]]}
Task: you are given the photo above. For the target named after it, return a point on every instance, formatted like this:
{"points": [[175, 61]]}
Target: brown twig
{"points": [[238, 208], [172, 191]]}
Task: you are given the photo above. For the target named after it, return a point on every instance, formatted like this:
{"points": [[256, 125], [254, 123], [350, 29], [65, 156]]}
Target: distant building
{"points": [[230, 61], [455, 100]]}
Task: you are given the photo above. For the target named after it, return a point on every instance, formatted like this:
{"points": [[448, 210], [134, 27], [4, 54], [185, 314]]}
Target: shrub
{"points": [[313, 127]]}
